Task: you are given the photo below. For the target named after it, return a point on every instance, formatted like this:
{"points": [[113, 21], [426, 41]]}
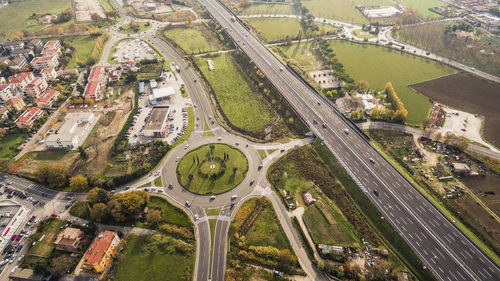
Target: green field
{"points": [[227, 173], [49, 231], [193, 40], [81, 209], [16, 16], [277, 29], [154, 257], [358, 33], [171, 214], [264, 8], [304, 54], [83, 47], [423, 7], [378, 65], [9, 143], [342, 10], [126, 29], [244, 108]]}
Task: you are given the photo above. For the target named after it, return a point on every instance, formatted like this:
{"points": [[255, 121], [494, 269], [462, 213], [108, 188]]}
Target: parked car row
{"points": [[184, 125]]}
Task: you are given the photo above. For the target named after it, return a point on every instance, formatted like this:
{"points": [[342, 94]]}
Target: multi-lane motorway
{"points": [[438, 242]]}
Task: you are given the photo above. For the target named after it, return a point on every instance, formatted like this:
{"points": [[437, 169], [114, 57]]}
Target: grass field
{"points": [[50, 229], [243, 107], [342, 10], [264, 8], [230, 172], [423, 7], [171, 214], [304, 54], [262, 153], [358, 33], [83, 47], [276, 29], [142, 261], [193, 40], [213, 212], [9, 143], [50, 155], [126, 29], [16, 15], [80, 209]]}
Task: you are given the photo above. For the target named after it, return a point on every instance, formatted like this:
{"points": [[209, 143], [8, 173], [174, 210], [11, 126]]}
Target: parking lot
{"points": [[133, 50]]}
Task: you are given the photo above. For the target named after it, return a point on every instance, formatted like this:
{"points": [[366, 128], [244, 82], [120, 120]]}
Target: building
{"points": [[12, 45], [329, 250], [48, 98], [25, 274], [115, 75], [160, 94], [99, 255], [461, 168], [53, 44], [18, 64], [28, 118], [49, 52], [26, 53], [308, 198], [40, 63], [93, 90], [210, 64], [348, 104], [156, 123], [15, 103], [153, 84], [73, 132], [49, 74], [20, 80], [69, 239], [35, 43], [4, 113], [36, 87], [96, 74], [5, 92], [437, 115], [141, 88]]}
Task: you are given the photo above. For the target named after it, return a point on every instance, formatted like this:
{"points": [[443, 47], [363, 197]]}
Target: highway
{"points": [[437, 241]]}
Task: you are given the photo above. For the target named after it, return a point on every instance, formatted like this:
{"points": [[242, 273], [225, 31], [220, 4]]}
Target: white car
{"points": [[196, 217], [177, 159]]}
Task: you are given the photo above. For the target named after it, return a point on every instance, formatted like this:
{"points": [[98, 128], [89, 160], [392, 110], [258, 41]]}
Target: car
{"points": [[237, 143], [219, 138], [346, 131], [127, 187], [188, 204], [372, 160], [375, 192], [260, 167], [212, 197], [177, 159], [319, 103], [186, 147], [160, 189], [315, 121], [234, 197], [3, 262], [281, 68], [463, 129], [170, 186], [324, 125], [196, 217], [251, 182]]}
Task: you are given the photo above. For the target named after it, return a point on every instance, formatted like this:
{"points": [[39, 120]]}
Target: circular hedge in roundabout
{"points": [[212, 169]]}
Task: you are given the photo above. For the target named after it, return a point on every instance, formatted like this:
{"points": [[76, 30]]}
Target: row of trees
{"points": [[329, 58], [398, 113], [119, 208], [56, 175], [96, 51]]}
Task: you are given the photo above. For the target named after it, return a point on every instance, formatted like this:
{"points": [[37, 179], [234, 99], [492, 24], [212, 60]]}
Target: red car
{"points": [[463, 129], [13, 237]]}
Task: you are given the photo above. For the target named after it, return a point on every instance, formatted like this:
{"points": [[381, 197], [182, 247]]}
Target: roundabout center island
{"points": [[212, 169]]}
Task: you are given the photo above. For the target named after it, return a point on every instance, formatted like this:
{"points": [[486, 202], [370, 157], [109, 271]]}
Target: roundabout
{"points": [[212, 169]]}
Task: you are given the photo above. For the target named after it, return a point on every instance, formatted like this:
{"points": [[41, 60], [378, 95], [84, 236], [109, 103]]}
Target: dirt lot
{"points": [[470, 94], [486, 188], [85, 8]]}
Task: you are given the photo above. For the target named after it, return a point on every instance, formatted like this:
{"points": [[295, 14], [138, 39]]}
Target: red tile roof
{"points": [[3, 86], [98, 248], [48, 95], [19, 77], [50, 44], [48, 69], [12, 100], [91, 89], [46, 58], [28, 114], [95, 72]]}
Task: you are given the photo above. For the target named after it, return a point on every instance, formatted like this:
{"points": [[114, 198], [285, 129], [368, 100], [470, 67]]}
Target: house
{"points": [[96, 74], [28, 118], [437, 115], [27, 53], [36, 87], [73, 132], [115, 75], [22, 79], [15, 103], [48, 98], [35, 43], [40, 63], [49, 52], [69, 239], [308, 198], [49, 73], [93, 90], [17, 64], [5, 92], [12, 45], [99, 255], [53, 44], [4, 113], [348, 104]]}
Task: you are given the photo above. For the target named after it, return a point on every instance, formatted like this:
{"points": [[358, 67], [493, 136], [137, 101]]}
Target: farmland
{"points": [[304, 55], [264, 8], [277, 29], [193, 40], [23, 11], [244, 108], [423, 6], [470, 94], [342, 10]]}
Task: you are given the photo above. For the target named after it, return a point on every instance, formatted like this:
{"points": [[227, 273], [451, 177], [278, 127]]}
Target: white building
{"points": [[161, 94], [73, 132]]}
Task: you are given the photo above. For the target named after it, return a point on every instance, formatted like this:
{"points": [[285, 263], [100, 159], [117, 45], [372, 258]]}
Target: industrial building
{"points": [[156, 123], [73, 132]]}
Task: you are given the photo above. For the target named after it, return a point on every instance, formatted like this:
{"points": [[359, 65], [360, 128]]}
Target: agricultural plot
{"points": [[304, 55], [342, 10], [270, 9], [244, 108], [193, 40], [468, 93], [423, 7]]}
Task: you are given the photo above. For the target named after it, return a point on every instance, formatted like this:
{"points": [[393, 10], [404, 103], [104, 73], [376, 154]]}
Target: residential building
{"points": [[18, 64], [49, 52], [96, 74], [308, 198], [53, 44], [5, 92], [115, 75], [69, 239], [28, 118], [21, 79], [349, 104], [4, 59], [99, 255], [437, 115], [49, 73], [93, 90], [36, 87], [48, 98], [15, 103], [4, 113], [12, 45], [35, 43], [45, 62], [73, 132], [26, 53]]}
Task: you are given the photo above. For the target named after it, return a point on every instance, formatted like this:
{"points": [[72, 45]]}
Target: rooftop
{"points": [[40, 59], [28, 114], [156, 118], [160, 93], [12, 100], [98, 248]]}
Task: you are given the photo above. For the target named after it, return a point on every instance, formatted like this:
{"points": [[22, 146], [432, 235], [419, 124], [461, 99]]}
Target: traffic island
{"points": [[212, 169]]}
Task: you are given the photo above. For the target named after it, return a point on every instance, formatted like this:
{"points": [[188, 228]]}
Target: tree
{"points": [[286, 260], [54, 175], [131, 77], [96, 17], [438, 136], [78, 183], [98, 212], [427, 122], [154, 217], [361, 85], [134, 25], [115, 209], [98, 195]]}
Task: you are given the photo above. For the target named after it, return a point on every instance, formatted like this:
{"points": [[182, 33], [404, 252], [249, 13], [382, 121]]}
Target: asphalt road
{"points": [[220, 241], [437, 241]]}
